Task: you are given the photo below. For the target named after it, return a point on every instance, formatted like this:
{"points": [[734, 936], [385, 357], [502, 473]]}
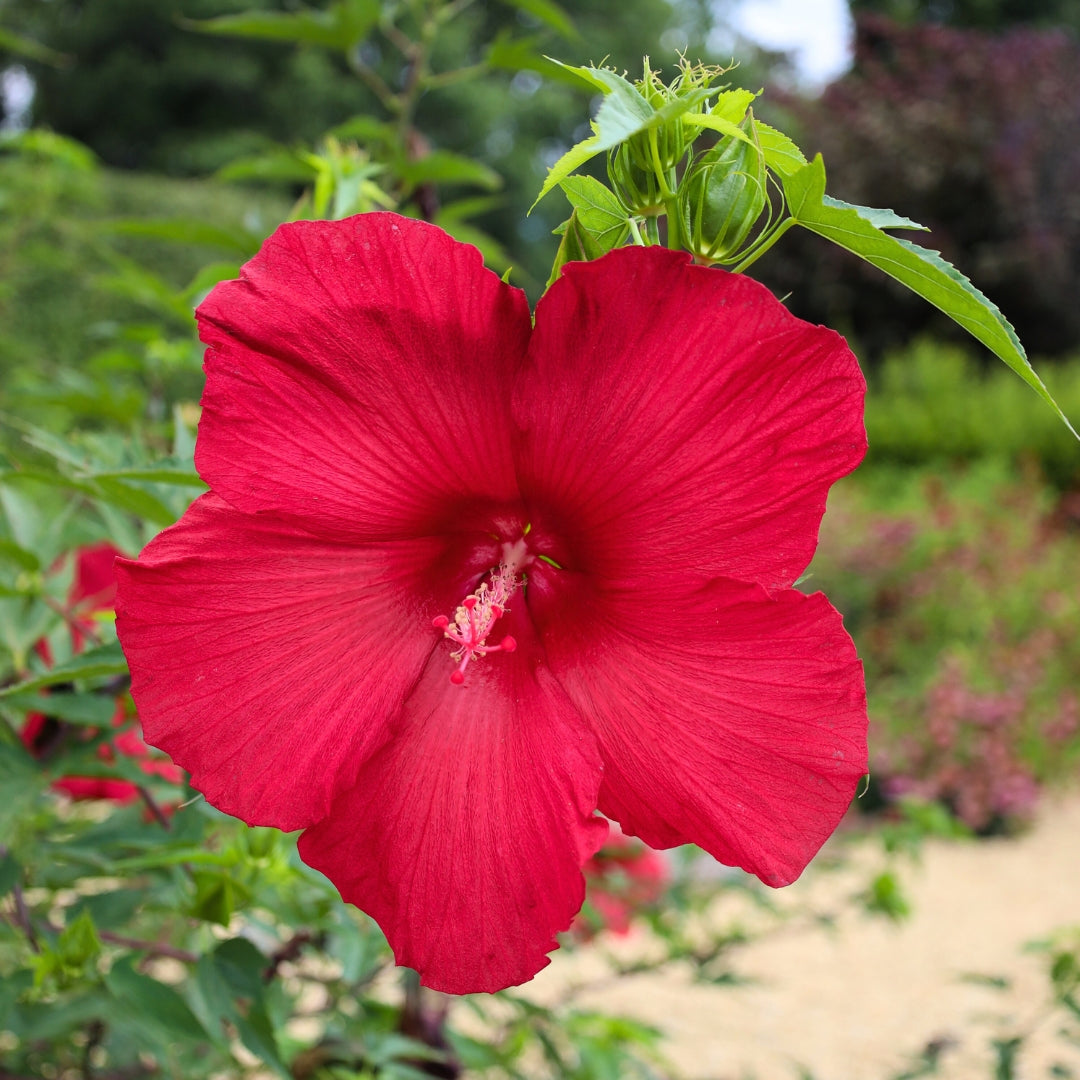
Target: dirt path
{"points": [[861, 1004]]}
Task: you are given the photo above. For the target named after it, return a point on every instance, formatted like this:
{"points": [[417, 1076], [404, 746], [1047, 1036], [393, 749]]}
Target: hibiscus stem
{"points": [[156, 812], [756, 252], [22, 918]]}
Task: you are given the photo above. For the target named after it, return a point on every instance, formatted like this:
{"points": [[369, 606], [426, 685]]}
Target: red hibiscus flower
{"points": [[93, 589], [460, 580]]}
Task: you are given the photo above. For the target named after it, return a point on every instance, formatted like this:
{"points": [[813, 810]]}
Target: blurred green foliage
{"points": [[143, 90], [934, 404]]}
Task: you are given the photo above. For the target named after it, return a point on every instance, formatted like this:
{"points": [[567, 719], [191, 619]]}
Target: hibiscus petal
{"points": [[681, 417], [726, 718], [465, 835], [357, 378], [266, 661]]}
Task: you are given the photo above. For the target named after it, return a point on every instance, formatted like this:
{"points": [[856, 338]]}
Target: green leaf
{"points": [[509, 53], [880, 219], [442, 166], [10, 873], [11, 989], [598, 209], [32, 50], [278, 163], [104, 661], [781, 153], [20, 556], [93, 710], [549, 14], [134, 500], [151, 1005], [21, 782], [343, 26], [206, 278], [923, 271], [189, 231], [624, 112], [577, 245], [178, 477], [230, 975], [217, 896]]}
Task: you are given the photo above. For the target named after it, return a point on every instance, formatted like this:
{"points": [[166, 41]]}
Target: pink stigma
{"points": [[479, 611]]}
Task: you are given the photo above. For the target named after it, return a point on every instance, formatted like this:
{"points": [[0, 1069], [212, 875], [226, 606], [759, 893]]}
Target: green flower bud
{"points": [[636, 186], [642, 169], [723, 195]]}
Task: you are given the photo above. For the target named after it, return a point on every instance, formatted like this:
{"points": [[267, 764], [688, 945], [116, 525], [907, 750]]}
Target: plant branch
{"points": [[153, 806]]}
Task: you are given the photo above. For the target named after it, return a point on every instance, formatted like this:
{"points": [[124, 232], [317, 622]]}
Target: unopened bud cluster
{"points": [[714, 199]]}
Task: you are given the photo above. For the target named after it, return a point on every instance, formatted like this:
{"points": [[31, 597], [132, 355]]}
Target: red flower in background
{"points": [[460, 580], [93, 589], [621, 879]]}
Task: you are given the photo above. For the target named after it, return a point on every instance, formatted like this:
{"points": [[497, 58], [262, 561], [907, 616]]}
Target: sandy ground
{"points": [[861, 1003]]}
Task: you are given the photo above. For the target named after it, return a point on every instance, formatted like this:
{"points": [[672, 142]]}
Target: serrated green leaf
{"points": [[719, 123], [101, 662], [923, 271], [781, 153], [726, 114], [598, 209], [880, 219], [577, 245], [623, 113], [548, 13], [572, 160], [90, 709]]}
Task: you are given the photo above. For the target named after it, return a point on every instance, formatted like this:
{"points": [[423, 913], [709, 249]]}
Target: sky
{"points": [[817, 32]]}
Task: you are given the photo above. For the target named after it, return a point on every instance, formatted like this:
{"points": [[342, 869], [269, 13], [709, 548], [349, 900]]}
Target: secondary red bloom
{"points": [[623, 877], [405, 473], [93, 589]]}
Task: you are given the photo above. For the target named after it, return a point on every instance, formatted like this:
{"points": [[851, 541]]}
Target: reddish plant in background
{"points": [[93, 589], [982, 729], [621, 879], [460, 580], [962, 130]]}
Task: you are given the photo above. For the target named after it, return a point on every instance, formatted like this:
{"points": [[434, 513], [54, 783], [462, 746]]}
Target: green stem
{"points": [[756, 252], [652, 230], [635, 232], [674, 226]]}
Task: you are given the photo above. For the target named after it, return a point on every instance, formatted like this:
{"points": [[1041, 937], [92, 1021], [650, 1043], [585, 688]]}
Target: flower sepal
{"points": [[724, 195]]}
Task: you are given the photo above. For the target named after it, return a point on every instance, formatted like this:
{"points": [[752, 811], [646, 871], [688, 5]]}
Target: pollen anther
{"points": [[475, 617]]}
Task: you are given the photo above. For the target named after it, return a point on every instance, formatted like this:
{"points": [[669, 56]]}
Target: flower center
{"points": [[480, 610]]}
